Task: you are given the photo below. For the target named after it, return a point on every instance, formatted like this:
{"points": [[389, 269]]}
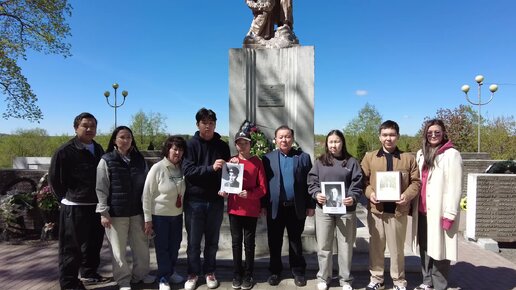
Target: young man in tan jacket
{"points": [[387, 220]]}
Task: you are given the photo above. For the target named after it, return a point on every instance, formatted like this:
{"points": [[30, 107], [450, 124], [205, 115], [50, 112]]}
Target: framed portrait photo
{"points": [[388, 185], [232, 177], [335, 193]]}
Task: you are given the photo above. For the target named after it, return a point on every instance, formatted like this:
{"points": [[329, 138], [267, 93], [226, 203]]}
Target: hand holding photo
{"points": [[388, 185], [232, 177], [335, 194]]}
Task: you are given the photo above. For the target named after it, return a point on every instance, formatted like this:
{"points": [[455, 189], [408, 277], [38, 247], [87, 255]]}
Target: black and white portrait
{"points": [[335, 194], [232, 176]]}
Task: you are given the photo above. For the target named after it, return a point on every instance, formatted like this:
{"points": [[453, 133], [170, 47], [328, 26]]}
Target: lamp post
{"points": [[493, 88], [116, 106]]}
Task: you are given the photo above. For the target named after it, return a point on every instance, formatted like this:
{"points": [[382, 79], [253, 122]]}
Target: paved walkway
{"points": [[34, 266]]}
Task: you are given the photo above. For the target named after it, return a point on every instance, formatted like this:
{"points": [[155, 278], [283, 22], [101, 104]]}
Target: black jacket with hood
{"points": [[202, 182]]}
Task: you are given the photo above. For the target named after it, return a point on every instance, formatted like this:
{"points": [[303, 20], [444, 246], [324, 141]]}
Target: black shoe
{"points": [[273, 280], [375, 286], [300, 281], [79, 286], [248, 283], [237, 282]]}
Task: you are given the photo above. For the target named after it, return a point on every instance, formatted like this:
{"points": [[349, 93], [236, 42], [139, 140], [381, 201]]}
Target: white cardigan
{"points": [[160, 192], [443, 193]]}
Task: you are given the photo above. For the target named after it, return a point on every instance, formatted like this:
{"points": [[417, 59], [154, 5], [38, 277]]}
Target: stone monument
{"points": [[271, 79], [490, 212], [269, 14]]}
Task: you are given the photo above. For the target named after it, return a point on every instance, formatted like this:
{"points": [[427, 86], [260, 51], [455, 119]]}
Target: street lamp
{"points": [[124, 94], [493, 88]]}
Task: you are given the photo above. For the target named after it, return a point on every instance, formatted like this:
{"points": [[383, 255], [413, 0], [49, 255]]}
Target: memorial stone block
{"points": [[491, 209]]}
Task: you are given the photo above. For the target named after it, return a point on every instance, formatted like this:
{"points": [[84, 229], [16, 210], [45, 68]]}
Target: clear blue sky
{"points": [[408, 58]]}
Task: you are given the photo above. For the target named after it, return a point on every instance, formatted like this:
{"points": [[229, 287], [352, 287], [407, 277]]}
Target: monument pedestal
{"points": [[273, 87]]}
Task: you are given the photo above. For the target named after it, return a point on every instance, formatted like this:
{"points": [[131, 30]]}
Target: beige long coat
{"points": [[443, 193]]}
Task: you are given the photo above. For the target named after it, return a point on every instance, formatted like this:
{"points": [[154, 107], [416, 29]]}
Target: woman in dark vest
{"points": [[121, 176]]}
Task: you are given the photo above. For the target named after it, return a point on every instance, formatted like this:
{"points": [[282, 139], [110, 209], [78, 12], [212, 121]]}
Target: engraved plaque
{"points": [[271, 95], [495, 208]]}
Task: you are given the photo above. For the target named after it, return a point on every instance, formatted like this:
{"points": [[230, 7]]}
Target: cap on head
{"points": [[242, 135], [233, 170]]}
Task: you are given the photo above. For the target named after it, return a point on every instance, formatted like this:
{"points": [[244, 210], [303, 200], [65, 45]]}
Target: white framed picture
{"points": [[232, 177], [335, 193], [388, 186]]}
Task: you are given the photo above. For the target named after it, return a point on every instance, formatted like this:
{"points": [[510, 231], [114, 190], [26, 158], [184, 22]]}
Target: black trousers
{"points": [[243, 228], [286, 218], [80, 241]]}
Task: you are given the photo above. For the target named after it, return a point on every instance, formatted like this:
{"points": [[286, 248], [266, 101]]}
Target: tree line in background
{"points": [[149, 131], [498, 135]]}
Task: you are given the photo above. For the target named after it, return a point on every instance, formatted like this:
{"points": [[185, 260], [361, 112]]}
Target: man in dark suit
{"points": [[287, 204]]}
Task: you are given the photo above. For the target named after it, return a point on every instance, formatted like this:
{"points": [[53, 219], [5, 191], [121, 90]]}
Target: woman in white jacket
{"points": [[163, 209], [440, 166]]}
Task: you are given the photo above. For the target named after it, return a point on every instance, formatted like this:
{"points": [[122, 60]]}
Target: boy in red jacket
{"points": [[244, 210]]}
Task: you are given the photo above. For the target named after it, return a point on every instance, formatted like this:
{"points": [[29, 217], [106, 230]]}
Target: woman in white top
{"points": [[437, 220], [163, 209]]}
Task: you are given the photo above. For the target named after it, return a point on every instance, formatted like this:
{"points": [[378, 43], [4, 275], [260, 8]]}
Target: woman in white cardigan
{"points": [[163, 209], [440, 166]]}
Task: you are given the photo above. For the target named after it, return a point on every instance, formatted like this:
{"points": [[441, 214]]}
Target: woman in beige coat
{"points": [[440, 166]]}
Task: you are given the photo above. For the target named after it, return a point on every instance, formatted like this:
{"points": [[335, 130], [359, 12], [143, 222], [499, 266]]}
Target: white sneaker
{"points": [[322, 285], [191, 283], [347, 287], [424, 287], [176, 278], [163, 284], [211, 281], [125, 288]]}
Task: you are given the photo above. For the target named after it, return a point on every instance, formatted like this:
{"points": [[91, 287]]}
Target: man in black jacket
{"points": [[72, 176], [202, 165]]}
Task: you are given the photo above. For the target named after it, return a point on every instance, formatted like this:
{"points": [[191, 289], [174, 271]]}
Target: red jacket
{"points": [[255, 184]]}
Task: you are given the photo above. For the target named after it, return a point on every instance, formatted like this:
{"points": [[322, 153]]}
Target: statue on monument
{"points": [[268, 14]]}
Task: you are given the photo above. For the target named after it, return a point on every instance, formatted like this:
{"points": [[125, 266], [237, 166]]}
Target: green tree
{"points": [[365, 125], [499, 138], [156, 125], [361, 148], [460, 126], [148, 127], [138, 124], [28, 25]]}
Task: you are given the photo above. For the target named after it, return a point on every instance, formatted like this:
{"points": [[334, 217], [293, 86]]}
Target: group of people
{"points": [[115, 193]]}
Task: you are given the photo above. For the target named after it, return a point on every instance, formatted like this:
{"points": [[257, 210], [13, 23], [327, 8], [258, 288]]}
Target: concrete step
{"points": [[360, 252]]}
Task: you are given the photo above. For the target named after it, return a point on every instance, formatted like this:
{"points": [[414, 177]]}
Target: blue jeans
{"points": [[169, 233], [203, 218]]}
